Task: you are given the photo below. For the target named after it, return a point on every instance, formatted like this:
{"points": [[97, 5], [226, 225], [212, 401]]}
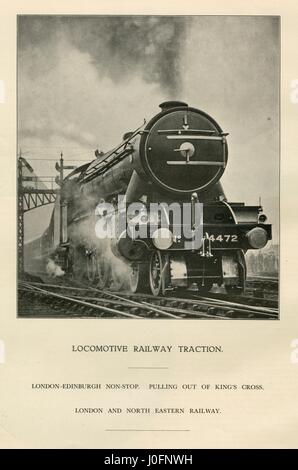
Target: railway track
{"points": [[265, 283], [83, 301]]}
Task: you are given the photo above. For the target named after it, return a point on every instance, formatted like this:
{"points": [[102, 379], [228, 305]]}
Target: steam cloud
{"points": [[53, 269]]}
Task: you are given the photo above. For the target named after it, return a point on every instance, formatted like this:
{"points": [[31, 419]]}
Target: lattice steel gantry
{"points": [[37, 191], [30, 197]]}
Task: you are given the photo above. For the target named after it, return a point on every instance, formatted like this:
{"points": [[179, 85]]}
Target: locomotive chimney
{"points": [[172, 104]]}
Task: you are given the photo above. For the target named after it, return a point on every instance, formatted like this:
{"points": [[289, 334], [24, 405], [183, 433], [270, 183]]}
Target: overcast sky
{"points": [[84, 81]]}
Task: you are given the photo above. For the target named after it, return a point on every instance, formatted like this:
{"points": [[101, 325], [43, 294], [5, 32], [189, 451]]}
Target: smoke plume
{"points": [[85, 81]]}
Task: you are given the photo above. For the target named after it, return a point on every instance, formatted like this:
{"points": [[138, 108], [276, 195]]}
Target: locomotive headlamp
{"points": [[257, 237], [262, 218], [162, 238]]}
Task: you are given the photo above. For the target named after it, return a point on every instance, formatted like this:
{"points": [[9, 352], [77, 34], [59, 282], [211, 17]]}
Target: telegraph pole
{"points": [[60, 180]]}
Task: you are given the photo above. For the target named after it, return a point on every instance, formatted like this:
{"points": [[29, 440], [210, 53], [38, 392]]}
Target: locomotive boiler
{"points": [[172, 163]]}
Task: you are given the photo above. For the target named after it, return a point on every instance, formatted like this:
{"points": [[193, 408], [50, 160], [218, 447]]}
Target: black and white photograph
{"points": [[148, 153]]}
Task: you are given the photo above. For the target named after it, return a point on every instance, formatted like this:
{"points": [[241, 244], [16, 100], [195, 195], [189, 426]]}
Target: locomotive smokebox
{"points": [[181, 150]]}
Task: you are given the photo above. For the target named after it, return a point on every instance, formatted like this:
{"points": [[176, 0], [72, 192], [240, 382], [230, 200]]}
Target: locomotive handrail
{"points": [[196, 137], [190, 132], [204, 163], [105, 165], [185, 131], [95, 170]]}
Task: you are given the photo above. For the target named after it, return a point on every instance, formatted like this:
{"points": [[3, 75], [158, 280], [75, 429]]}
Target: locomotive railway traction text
{"points": [[145, 348]]}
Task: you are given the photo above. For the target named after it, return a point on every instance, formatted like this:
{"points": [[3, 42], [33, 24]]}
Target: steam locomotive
{"points": [[174, 160]]}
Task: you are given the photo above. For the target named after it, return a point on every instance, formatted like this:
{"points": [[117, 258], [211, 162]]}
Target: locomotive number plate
{"points": [[222, 238]]}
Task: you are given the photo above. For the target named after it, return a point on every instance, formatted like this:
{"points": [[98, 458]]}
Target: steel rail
{"points": [[239, 306], [128, 301], [140, 304], [81, 302], [200, 301]]}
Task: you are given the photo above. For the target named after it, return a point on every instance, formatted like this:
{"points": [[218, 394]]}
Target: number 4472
{"points": [[223, 238]]}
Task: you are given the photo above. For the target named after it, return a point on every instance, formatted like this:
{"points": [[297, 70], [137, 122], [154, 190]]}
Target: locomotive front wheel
{"points": [[156, 274], [139, 277]]}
